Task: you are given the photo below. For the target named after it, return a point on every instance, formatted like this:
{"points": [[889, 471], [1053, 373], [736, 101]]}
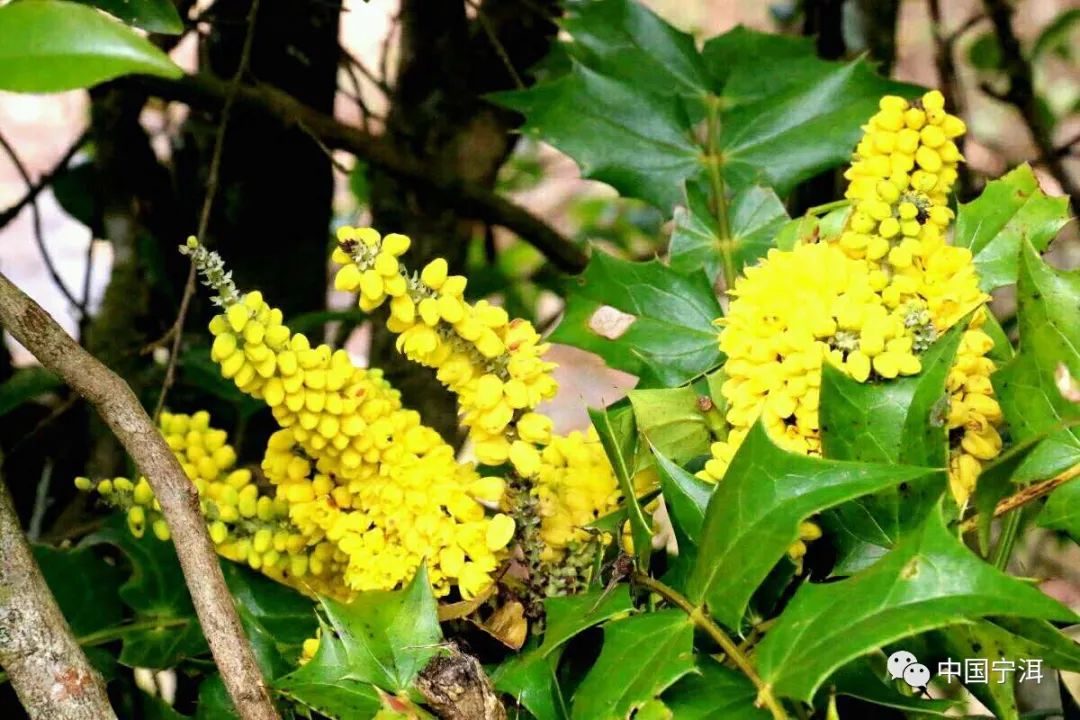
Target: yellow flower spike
{"points": [[901, 287]]}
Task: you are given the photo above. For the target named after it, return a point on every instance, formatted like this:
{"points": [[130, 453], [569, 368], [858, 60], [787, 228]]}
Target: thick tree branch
{"points": [[468, 198], [118, 406], [1021, 93], [47, 668]]}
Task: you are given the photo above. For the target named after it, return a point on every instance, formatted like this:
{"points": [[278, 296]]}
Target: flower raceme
{"points": [[869, 301], [359, 492]]}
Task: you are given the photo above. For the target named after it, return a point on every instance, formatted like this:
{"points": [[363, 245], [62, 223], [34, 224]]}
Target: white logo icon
{"points": [[917, 675], [898, 661], [905, 666]]}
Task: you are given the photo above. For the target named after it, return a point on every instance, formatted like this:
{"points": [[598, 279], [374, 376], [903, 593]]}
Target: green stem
{"points": [[100, 637], [701, 618], [1009, 532], [719, 204], [828, 207]]}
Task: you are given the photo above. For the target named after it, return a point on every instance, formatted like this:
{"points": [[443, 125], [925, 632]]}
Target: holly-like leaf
{"points": [[168, 627], [1026, 386], [156, 16], [629, 42], [897, 421], [382, 639], [643, 318], [642, 656], [51, 46], [755, 217], [530, 677], [749, 64], [754, 515], [993, 226], [637, 142], [671, 420], [929, 580], [783, 114], [713, 692], [785, 137]]}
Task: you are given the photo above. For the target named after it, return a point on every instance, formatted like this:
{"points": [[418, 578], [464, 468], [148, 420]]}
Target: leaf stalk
{"points": [[701, 619]]}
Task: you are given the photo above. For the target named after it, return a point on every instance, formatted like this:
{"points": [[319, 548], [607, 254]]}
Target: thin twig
{"points": [[39, 236], [120, 409], [354, 62], [469, 198], [964, 27], [44, 181], [496, 44], [338, 165], [384, 56], [1021, 93], [701, 618], [358, 98], [177, 330], [48, 669], [1024, 496]]}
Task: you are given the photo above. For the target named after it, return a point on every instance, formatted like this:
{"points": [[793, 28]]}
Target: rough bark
{"points": [[439, 119], [456, 687], [47, 668], [120, 409]]}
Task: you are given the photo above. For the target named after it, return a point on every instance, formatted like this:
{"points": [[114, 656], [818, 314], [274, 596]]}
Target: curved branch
{"points": [[469, 199], [120, 409], [48, 669]]}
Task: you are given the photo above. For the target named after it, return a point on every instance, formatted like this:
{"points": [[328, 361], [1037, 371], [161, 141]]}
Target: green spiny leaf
{"points": [[1026, 387], [643, 318], [898, 421], [382, 639], [929, 580], [755, 511], [637, 142], [642, 656], [994, 224], [755, 218]]}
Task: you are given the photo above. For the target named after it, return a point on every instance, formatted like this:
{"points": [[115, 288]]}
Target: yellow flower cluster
{"points": [[492, 363], [495, 366], [869, 301], [359, 491], [246, 526], [575, 486]]}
